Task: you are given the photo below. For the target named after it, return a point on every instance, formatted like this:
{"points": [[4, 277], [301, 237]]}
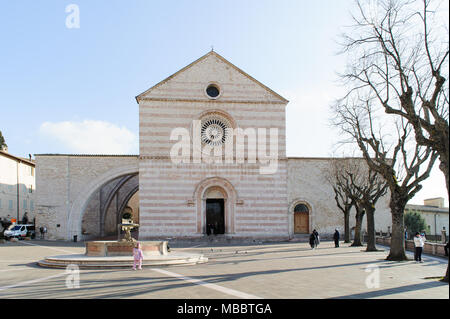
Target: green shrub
{"points": [[415, 223]]}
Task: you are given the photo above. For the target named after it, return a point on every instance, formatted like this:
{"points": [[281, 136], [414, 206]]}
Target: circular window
{"points": [[214, 130], [212, 91]]}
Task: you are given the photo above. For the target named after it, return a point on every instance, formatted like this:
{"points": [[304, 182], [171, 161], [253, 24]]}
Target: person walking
{"points": [[312, 240], [406, 238], [317, 238], [336, 238], [418, 244], [138, 256]]}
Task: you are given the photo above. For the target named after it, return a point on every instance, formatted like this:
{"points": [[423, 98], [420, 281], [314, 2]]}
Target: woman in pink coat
{"points": [[138, 256]]}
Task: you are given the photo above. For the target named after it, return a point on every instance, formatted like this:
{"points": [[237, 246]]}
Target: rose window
{"points": [[213, 130]]}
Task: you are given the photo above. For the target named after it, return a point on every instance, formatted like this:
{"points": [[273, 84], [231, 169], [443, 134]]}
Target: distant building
{"points": [[17, 187], [434, 213]]}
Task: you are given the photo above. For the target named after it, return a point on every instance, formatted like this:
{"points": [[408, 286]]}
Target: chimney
{"points": [[434, 202]]}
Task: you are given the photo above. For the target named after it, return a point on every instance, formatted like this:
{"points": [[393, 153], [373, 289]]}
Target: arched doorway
{"points": [[301, 219], [215, 211], [210, 194]]}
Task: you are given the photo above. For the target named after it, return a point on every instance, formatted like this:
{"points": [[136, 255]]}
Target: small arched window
{"points": [[301, 208]]}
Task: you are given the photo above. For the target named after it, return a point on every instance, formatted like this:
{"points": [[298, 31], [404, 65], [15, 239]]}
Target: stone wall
{"points": [[65, 185], [307, 184], [429, 247]]}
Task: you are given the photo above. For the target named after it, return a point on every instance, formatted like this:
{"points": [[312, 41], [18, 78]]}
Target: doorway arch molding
{"points": [[291, 208], [229, 196]]}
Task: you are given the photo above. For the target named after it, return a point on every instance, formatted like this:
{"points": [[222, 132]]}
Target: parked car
{"points": [[20, 231]]}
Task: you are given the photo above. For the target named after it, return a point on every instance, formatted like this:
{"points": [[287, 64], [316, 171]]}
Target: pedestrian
{"points": [[418, 244], [312, 240], [138, 256], [446, 249], [336, 238], [406, 237], [25, 218], [44, 232], [317, 238], [41, 232]]}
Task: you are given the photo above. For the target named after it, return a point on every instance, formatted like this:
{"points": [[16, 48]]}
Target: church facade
{"points": [[212, 160]]}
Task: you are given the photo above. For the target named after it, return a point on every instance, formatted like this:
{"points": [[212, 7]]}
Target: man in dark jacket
{"points": [[336, 238], [317, 238], [312, 240]]}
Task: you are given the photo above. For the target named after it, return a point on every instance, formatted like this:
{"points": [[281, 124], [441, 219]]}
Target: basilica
{"points": [[212, 161]]}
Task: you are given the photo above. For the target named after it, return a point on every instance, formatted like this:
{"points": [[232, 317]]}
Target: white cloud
{"points": [[91, 137]]}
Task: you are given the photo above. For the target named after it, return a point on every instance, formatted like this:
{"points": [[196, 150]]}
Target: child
{"points": [[138, 256]]}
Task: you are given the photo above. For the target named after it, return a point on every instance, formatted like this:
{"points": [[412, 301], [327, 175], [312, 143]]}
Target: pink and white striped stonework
{"points": [[173, 195]]}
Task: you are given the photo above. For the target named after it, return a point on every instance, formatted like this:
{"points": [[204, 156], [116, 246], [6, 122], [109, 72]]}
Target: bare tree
{"points": [[355, 185], [396, 157], [370, 187], [399, 51], [359, 216], [342, 192]]}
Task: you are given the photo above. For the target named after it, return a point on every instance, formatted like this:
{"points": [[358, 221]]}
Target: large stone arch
{"points": [[230, 198], [74, 218], [117, 199]]}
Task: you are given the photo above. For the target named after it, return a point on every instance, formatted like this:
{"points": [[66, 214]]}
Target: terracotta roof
{"points": [[17, 158], [425, 208]]}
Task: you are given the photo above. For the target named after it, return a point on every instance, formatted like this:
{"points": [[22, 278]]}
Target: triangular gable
{"points": [[157, 89]]}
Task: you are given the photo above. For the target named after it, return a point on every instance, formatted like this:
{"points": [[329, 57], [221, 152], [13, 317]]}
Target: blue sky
{"points": [[84, 80]]}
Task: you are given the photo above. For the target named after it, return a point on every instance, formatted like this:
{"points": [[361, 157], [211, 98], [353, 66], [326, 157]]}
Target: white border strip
{"points": [[227, 291], [57, 249], [24, 283]]}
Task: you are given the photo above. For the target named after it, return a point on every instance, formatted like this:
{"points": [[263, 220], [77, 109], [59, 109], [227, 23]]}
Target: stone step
{"points": [[110, 262]]}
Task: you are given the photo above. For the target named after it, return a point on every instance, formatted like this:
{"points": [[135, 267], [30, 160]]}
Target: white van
{"points": [[20, 231]]}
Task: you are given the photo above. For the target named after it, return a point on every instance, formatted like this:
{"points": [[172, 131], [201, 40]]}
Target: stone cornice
{"points": [[165, 157], [210, 101]]}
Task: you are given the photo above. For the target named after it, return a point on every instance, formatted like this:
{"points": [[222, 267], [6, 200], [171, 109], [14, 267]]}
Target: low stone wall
{"points": [[115, 248], [429, 248]]}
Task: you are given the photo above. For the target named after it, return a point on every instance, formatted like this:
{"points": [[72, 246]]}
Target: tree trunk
{"points": [[371, 239], [347, 227], [359, 220], [444, 168], [397, 205], [445, 279]]}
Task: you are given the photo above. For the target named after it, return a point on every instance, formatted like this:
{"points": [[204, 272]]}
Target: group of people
{"points": [[314, 239]]}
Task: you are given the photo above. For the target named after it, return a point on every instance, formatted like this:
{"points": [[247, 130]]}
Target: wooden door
{"points": [[301, 223]]}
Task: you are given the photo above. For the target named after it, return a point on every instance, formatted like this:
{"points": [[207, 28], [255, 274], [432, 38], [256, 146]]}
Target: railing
{"points": [[429, 247]]}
